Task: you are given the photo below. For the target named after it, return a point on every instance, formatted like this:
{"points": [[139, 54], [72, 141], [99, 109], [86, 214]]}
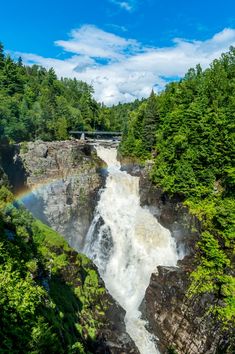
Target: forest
{"points": [[188, 132], [35, 104]]}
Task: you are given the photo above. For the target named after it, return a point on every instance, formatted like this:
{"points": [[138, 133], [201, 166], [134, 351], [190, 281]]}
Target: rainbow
{"points": [[23, 196], [27, 192]]}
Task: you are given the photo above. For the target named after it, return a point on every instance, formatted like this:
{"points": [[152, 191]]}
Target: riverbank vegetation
{"points": [[188, 131], [51, 298]]}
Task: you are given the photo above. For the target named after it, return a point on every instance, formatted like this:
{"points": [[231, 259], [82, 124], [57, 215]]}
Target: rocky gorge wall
{"points": [[64, 179], [181, 325], [61, 181]]}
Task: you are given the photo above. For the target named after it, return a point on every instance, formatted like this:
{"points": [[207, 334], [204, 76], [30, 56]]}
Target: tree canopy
{"points": [[35, 104], [188, 131]]}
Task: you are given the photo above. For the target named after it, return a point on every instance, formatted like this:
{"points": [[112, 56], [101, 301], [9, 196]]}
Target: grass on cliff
{"points": [[51, 297]]}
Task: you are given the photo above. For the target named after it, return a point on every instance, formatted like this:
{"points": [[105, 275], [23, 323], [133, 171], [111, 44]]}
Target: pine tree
{"points": [[150, 122], [20, 62], [2, 56], [11, 80]]}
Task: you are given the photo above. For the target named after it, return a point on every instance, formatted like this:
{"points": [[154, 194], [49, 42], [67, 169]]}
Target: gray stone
{"points": [[176, 320], [64, 184]]}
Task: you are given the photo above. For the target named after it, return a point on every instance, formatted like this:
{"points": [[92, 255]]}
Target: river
{"points": [[127, 243]]}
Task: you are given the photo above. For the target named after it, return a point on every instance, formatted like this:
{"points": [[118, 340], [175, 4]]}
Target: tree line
{"points": [[188, 131], [35, 104]]}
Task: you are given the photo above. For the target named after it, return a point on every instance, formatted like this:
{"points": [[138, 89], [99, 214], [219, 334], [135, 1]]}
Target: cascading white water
{"points": [[127, 243]]}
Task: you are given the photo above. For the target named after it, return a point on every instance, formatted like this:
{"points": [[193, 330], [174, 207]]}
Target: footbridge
{"points": [[84, 135]]}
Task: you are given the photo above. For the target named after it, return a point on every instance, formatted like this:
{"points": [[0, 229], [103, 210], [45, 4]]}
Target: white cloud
{"points": [[127, 5], [96, 43], [122, 69]]}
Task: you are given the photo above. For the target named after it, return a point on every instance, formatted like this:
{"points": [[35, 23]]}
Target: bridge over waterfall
{"points": [[96, 135]]}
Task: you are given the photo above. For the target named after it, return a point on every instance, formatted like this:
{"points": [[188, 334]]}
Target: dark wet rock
{"points": [[130, 165], [113, 338], [177, 321], [171, 213], [12, 167]]}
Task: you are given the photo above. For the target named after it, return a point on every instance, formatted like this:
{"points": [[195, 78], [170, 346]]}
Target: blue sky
{"points": [[123, 47]]}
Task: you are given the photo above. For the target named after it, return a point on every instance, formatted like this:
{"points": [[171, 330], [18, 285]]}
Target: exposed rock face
{"points": [[64, 180], [113, 338], [177, 321], [171, 213]]}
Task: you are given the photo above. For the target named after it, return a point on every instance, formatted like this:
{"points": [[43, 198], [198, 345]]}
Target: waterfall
{"points": [[127, 243]]}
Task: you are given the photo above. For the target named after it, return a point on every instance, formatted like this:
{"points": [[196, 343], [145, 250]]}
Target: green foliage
{"points": [[47, 237], [34, 104], [140, 136], [171, 350], [51, 299], [188, 131], [150, 123], [24, 147]]}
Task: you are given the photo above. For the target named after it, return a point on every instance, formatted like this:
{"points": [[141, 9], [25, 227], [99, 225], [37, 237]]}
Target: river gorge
{"points": [[141, 241], [127, 243]]}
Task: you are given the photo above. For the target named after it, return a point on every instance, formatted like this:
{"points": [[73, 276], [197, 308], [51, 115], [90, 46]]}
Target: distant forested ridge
{"points": [[35, 104], [188, 131]]}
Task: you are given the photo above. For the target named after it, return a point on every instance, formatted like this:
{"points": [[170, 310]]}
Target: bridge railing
{"points": [[96, 134]]}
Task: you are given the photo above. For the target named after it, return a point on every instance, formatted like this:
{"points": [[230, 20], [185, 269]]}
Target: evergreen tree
{"points": [[150, 122], [193, 121], [2, 56], [20, 62], [11, 81]]}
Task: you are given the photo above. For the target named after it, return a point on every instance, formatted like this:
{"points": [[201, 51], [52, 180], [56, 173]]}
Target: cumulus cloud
{"points": [[122, 69], [95, 43]]}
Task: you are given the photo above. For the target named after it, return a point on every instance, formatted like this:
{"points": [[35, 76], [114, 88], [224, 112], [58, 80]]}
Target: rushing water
{"points": [[127, 243]]}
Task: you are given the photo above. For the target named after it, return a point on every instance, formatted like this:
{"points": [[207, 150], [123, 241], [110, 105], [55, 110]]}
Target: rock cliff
{"points": [[60, 182], [63, 181], [180, 324]]}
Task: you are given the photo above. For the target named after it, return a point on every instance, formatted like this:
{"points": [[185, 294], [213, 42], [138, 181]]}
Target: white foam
{"points": [[127, 243]]}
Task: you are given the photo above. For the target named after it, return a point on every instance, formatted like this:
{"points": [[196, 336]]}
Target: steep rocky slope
{"points": [[64, 182], [80, 310], [179, 323]]}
